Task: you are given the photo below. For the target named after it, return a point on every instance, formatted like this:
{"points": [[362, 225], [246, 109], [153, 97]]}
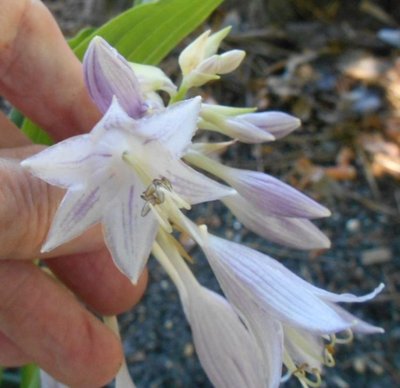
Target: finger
{"points": [[11, 355], [39, 74], [98, 282], [27, 207], [45, 320], [10, 135]]}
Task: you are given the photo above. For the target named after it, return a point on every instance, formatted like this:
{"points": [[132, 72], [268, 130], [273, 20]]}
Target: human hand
{"points": [[41, 321]]}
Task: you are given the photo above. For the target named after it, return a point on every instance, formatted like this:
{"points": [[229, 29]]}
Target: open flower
{"points": [[107, 170], [252, 281], [228, 351]]}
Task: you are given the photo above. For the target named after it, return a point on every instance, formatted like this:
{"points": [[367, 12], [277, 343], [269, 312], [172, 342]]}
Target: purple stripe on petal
{"points": [[108, 74], [84, 205]]}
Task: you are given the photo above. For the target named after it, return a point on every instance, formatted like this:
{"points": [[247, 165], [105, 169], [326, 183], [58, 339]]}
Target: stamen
{"points": [[163, 201], [136, 164], [303, 372], [181, 249], [348, 338], [329, 359], [161, 218]]}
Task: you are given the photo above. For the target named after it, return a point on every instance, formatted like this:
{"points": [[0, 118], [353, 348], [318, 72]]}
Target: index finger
{"points": [[39, 74]]}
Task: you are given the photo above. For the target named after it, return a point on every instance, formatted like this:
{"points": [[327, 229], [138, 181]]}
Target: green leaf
{"points": [[16, 117], [35, 133], [30, 376], [148, 32], [144, 34], [81, 36]]}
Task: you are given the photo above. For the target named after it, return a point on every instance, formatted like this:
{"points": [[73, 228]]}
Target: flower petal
{"points": [[347, 298], [273, 196], [108, 74], [297, 233], [248, 276], [173, 127], [227, 351], [279, 124], [79, 210], [194, 53], [358, 325], [129, 236], [193, 186], [269, 335], [65, 164]]}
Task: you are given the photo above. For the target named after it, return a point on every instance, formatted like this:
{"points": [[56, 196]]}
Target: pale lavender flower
{"points": [[228, 351], [267, 193], [293, 232], [108, 74], [246, 125], [107, 170], [253, 281]]}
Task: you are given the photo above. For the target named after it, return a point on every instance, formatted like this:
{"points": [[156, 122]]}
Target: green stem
{"points": [[180, 95]]}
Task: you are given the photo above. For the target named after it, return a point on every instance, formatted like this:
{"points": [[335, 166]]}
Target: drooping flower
{"points": [[227, 350], [293, 232], [252, 280], [246, 125]]}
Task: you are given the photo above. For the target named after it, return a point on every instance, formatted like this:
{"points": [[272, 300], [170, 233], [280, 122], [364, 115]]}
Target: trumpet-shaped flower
{"points": [[227, 350], [107, 170], [293, 232], [267, 193], [254, 281], [245, 125]]}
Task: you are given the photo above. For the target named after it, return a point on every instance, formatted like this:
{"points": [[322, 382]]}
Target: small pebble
{"points": [[164, 284], [188, 350], [376, 256], [353, 225]]}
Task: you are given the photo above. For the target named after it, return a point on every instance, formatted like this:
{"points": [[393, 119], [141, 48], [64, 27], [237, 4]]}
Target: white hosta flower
{"points": [[246, 125], [293, 232], [227, 350], [268, 194], [200, 63], [103, 187], [253, 281]]}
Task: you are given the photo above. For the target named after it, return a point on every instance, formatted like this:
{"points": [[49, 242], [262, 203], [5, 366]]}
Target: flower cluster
{"points": [[138, 171]]}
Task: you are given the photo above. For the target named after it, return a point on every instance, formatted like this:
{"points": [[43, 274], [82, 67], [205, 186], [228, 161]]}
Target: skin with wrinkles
{"points": [[41, 320]]}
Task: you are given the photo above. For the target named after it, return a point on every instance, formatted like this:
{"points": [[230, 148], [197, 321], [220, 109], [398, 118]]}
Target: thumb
{"points": [[27, 207]]}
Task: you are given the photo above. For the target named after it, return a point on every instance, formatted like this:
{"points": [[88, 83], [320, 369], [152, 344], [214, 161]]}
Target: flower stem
{"points": [[179, 96]]}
